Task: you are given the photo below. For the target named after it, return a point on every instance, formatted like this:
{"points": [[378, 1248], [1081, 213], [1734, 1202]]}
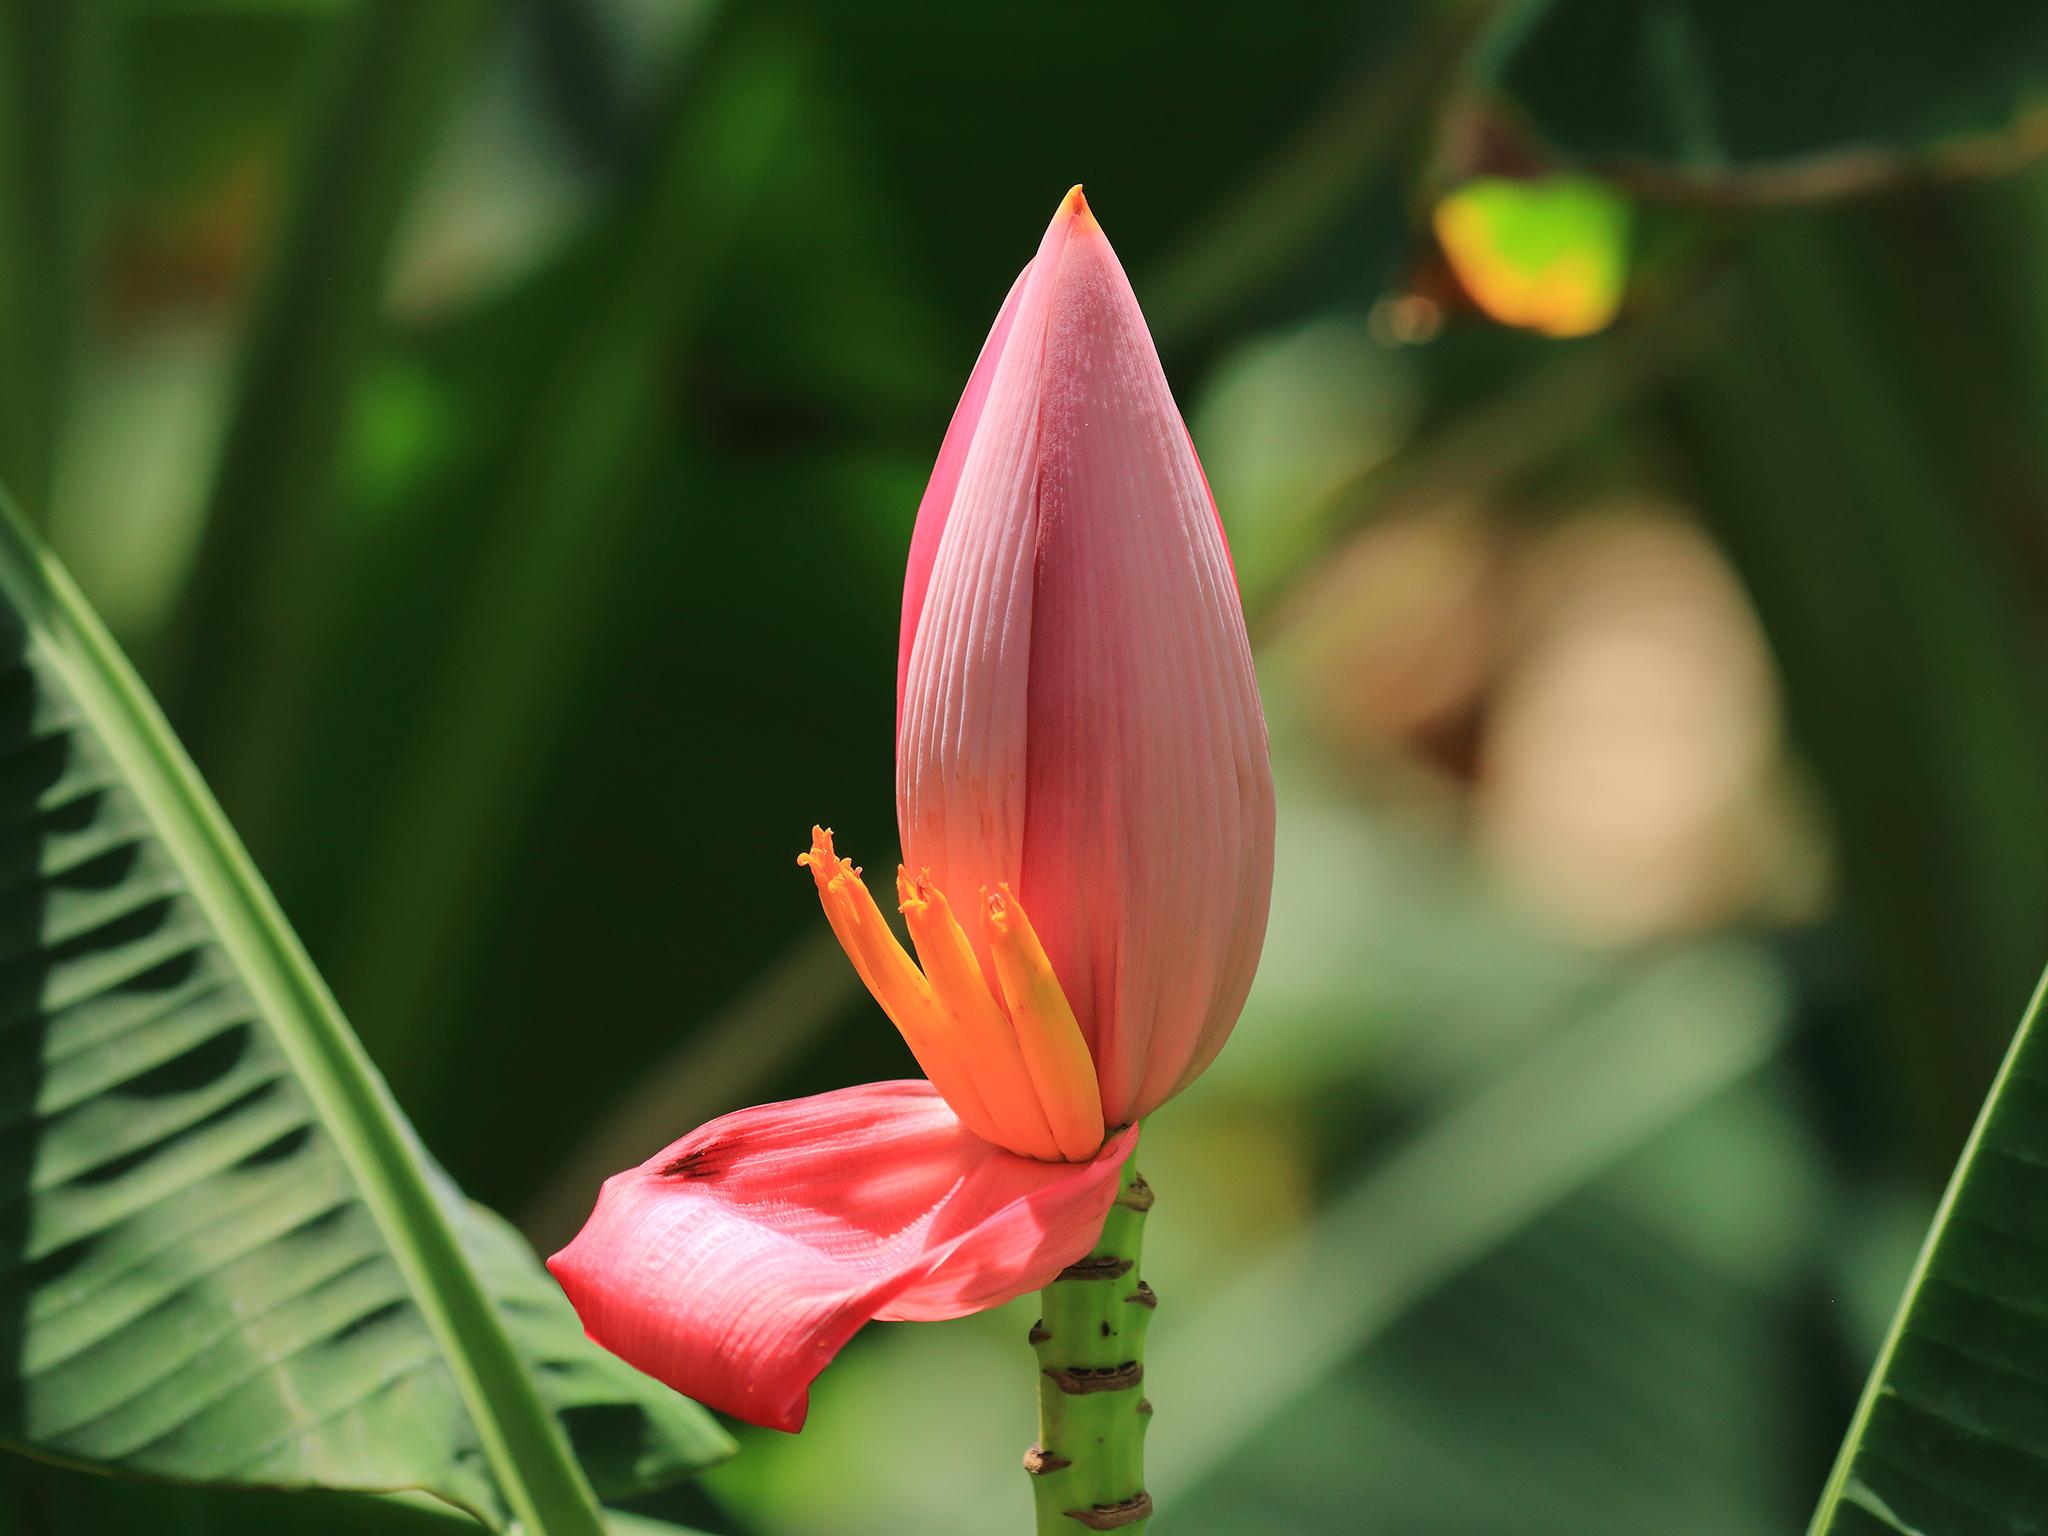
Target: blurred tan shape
{"points": [[1630, 781]]}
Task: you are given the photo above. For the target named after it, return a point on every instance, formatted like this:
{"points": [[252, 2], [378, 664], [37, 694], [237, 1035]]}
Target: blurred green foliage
{"points": [[495, 429]]}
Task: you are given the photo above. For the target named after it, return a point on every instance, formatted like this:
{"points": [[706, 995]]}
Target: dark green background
{"points": [[495, 430]]}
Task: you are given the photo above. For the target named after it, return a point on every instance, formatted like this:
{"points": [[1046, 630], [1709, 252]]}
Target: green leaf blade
{"points": [[1951, 1437], [223, 1256]]}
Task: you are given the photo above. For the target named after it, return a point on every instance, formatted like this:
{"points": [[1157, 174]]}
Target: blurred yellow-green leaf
{"points": [[1549, 255]]}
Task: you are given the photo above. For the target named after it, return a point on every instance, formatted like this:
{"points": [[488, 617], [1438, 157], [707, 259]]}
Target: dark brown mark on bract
{"points": [[706, 1162]]}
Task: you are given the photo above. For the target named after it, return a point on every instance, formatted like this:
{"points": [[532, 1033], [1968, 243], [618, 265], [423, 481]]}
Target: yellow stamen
{"points": [[897, 984], [1047, 1034], [958, 985], [1009, 1058]]}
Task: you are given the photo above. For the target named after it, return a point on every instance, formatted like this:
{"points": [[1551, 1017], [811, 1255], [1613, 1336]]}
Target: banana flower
{"points": [[1086, 810]]}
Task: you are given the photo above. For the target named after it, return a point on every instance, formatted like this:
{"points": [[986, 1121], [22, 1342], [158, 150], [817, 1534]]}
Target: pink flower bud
{"points": [[1081, 764], [1077, 713]]}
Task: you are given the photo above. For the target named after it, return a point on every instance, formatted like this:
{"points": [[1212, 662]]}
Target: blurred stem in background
{"points": [[240, 648], [1320, 178], [1634, 1053], [574, 484], [1498, 444], [58, 117]]}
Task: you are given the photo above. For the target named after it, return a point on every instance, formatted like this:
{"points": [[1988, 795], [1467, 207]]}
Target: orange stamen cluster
{"points": [[1008, 1057]]}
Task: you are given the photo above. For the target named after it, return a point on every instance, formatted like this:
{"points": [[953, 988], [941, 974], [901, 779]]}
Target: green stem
{"points": [[1088, 1467]]}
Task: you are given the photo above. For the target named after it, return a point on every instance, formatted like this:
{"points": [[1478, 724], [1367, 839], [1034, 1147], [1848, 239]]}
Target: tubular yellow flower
{"points": [[896, 982], [1007, 1056], [1000, 1071], [1056, 1055]]}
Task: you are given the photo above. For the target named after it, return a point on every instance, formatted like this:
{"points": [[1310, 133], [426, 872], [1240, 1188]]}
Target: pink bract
{"points": [[734, 1264]]}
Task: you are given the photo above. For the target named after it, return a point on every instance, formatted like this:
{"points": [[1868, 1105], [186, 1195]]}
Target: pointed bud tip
{"points": [[1075, 205]]}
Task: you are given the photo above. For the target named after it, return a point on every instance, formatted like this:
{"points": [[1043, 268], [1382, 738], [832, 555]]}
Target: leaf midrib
{"points": [[1839, 1479]]}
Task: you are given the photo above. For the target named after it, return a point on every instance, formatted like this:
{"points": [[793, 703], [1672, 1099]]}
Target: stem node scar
{"points": [[1119, 1516], [1101, 1266]]}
